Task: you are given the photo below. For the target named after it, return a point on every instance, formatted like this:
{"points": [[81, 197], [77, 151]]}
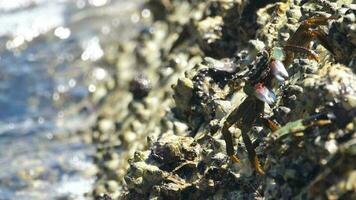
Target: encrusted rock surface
{"points": [[159, 132]]}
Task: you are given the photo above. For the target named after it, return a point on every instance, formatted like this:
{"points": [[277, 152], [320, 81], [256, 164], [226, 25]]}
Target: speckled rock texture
{"points": [[159, 134]]}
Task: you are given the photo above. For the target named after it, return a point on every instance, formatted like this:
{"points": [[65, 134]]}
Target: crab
{"points": [[258, 86]]}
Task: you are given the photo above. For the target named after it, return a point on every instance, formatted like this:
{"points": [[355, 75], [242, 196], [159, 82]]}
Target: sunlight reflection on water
{"points": [[48, 50]]}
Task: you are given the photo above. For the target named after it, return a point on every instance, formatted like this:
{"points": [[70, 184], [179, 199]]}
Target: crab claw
{"points": [[264, 94], [279, 71]]}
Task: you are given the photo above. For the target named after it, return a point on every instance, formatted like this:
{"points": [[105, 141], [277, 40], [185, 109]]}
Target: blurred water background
{"points": [[50, 53]]}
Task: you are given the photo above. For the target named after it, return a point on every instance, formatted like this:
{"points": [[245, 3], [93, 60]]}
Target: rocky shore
{"points": [[158, 134]]}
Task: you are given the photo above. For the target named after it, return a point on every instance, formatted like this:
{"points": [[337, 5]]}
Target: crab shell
{"points": [[264, 94]]}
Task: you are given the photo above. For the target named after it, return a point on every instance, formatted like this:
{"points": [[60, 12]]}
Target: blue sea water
{"points": [[50, 53]]}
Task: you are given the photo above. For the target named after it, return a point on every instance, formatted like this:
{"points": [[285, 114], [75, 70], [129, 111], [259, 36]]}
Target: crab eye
{"points": [[264, 94], [279, 71]]}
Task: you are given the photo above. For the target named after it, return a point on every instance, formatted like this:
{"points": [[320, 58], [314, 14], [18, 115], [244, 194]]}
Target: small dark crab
{"points": [[258, 85]]}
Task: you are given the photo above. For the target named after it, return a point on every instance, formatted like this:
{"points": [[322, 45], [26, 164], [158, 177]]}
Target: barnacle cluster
{"points": [[196, 66]]}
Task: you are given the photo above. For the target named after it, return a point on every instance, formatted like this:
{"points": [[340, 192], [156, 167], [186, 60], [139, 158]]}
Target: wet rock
{"points": [[335, 83], [103, 197], [142, 177], [342, 33], [197, 57], [172, 150], [209, 32], [140, 86]]}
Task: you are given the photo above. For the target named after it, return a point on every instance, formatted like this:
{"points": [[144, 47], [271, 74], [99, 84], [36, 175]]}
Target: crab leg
{"points": [[244, 117], [236, 116], [300, 40], [229, 144], [301, 49], [300, 125], [303, 35], [228, 137], [270, 124], [252, 156], [322, 37], [318, 20]]}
